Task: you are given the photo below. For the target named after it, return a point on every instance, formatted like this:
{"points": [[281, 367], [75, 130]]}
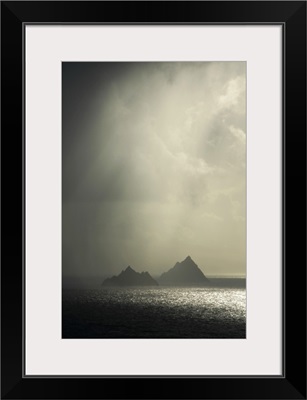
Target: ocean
{"points": [[155, 312]]}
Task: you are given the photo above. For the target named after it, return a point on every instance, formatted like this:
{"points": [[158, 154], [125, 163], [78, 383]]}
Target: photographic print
{"points": [[154, 200]]}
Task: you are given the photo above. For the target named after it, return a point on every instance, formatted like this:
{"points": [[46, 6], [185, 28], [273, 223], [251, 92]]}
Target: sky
{"points": [[153, 167]]}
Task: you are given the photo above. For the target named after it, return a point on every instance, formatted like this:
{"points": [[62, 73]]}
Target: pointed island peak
{"points": [[129, 277], [184, 273]]}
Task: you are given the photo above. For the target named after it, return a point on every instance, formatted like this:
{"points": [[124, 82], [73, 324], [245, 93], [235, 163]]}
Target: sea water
{"points": [[156, 312]]}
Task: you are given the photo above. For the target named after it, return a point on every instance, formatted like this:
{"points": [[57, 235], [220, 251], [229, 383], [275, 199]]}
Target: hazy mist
{"points": [[153, 166]]}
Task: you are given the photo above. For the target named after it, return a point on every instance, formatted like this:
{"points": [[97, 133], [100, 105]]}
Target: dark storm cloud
{"points": [[153, 166]]}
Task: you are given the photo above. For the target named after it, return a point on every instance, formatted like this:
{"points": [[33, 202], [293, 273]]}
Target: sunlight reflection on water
{"points": [[155, 312]]}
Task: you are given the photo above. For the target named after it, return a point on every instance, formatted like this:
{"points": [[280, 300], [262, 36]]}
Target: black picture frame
{"points": [[292, 16]]}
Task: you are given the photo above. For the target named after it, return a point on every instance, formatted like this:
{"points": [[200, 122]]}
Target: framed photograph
{"points": [[153, 200]]}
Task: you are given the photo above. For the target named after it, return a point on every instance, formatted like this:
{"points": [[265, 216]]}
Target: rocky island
{"points": [[129, 277], [185, 273]]}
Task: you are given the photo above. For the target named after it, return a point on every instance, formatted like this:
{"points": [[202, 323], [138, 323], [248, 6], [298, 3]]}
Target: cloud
{"points": [[154, 166]]}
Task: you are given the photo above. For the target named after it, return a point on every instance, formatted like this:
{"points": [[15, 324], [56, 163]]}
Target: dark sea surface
{"points": [[156, 312]]}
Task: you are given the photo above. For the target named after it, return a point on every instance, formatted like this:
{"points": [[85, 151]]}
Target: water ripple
{"points": [[154, 312]]}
